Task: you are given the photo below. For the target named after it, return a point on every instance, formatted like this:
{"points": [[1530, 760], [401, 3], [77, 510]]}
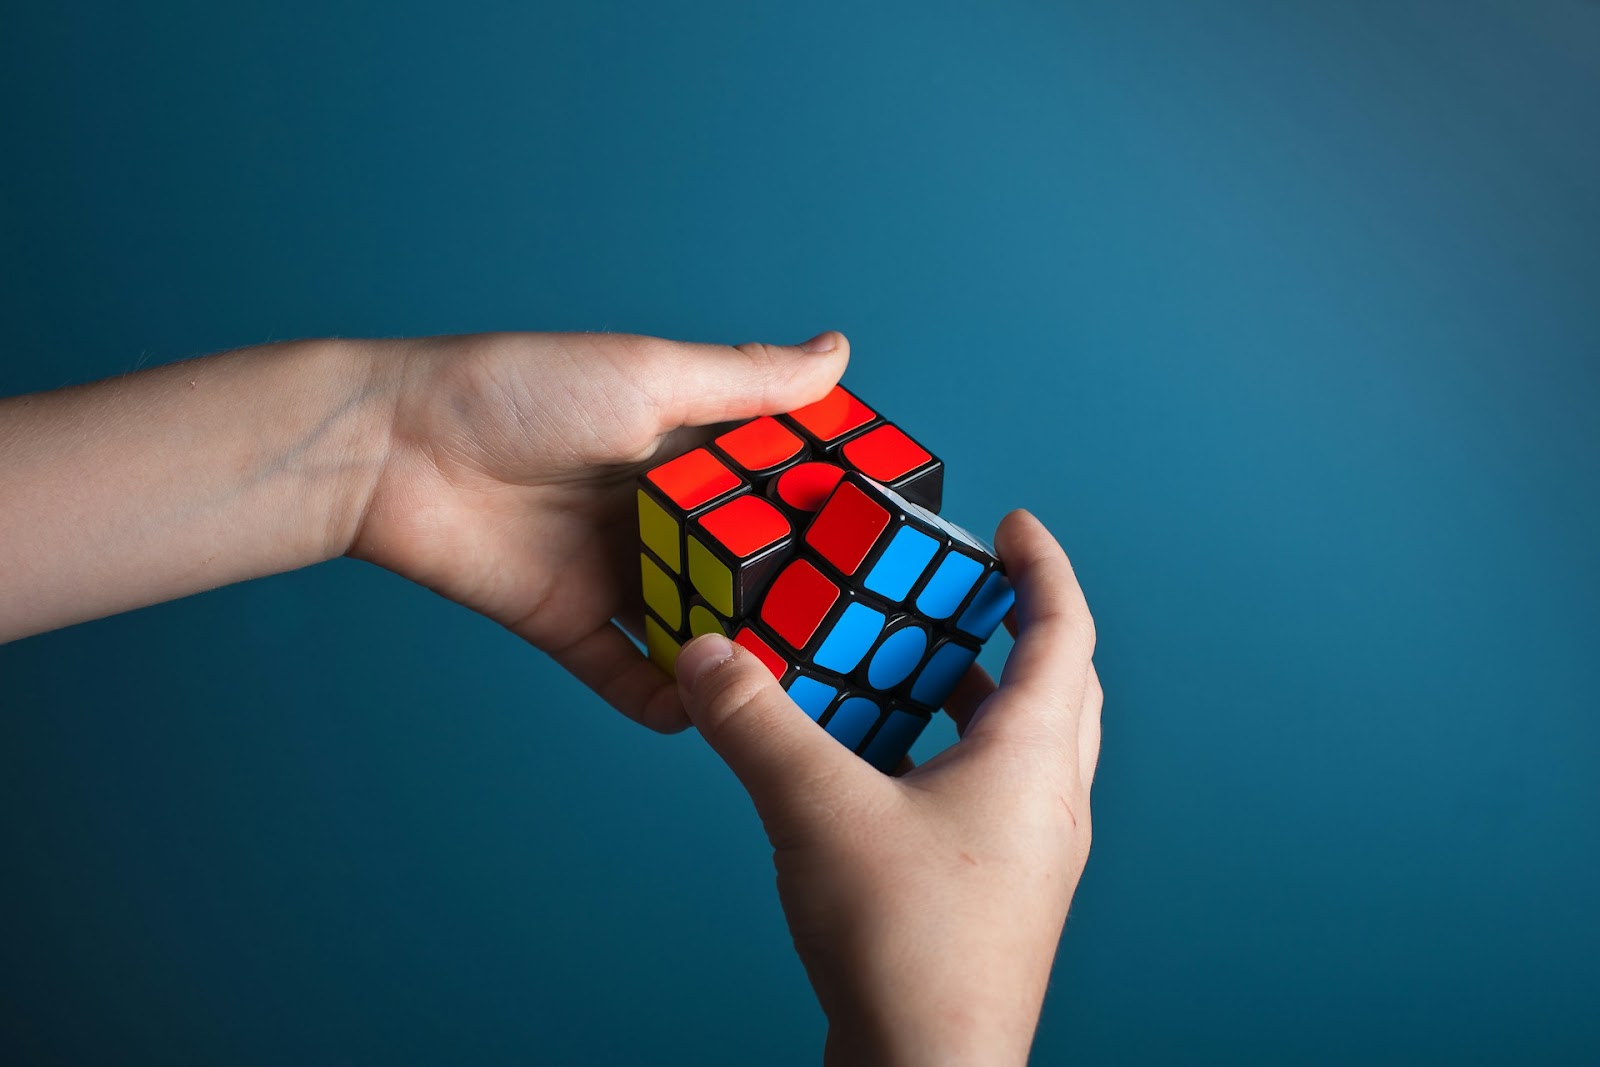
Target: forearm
{"points": [[185, 477]]}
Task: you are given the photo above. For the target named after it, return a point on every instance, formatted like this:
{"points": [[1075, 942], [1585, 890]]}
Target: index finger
{"points": [[1049, 665]]}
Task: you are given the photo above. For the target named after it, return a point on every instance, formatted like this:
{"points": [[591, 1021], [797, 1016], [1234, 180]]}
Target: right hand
{"points": [[927, 907]]}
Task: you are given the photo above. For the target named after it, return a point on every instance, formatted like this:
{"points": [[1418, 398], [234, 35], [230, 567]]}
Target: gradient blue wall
{"points": [[1301, 301]]}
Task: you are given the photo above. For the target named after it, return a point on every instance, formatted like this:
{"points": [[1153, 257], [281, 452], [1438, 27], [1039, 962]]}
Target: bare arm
{"points": [[185, 477], [496, 469]]}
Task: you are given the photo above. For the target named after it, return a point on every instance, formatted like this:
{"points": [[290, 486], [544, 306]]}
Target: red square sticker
{"points": [[797, 602], [847, 527]]}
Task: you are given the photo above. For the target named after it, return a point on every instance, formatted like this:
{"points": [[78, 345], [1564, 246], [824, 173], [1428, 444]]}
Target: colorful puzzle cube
{"points": [[813, 539]]}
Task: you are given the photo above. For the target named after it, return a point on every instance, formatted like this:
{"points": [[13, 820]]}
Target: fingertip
{"points": [[665, 713], [1016, 527], [840, 350], [1010, 528], [802, 374], [826, 341], [1022, 540], [699, 385], [825, 354]]}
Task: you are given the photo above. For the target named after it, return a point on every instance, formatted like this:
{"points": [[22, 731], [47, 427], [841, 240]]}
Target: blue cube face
{"points": [[917, 598]]}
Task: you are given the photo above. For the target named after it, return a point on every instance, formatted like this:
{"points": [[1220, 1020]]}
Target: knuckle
{"points": [[769, 361], [635, 356], [1089, 630], [758, 352], [647, 376], [772, 367], [734, 690], [641, 349]]}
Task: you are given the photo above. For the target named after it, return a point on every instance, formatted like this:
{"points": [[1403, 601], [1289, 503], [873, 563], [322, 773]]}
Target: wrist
{"points": [[928, 1037], [366, 380], [929, 1022]]}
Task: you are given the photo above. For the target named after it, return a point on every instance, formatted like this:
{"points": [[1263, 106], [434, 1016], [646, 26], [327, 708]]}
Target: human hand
{"points": [[927, 907], [508, 483]]}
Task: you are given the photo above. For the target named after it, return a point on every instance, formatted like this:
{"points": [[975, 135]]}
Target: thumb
{"points": [[698, 384], [772, 747]]}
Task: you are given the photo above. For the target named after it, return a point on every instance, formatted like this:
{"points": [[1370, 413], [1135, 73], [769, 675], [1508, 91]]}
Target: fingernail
{"points": [[826, 341], [701, 655]]}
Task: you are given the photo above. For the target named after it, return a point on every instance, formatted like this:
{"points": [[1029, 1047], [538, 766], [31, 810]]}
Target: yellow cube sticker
{"points": [[711, 577], [661, 592], [659, 531], [660, 645], [703, 621]]}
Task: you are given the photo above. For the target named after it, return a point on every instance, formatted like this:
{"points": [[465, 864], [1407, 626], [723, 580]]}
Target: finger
{"points": [[774, 748], [1049, 663], [607, 662], [1055, 632], [677, 442], [971, 691], [1089, 728], [697, 384]]}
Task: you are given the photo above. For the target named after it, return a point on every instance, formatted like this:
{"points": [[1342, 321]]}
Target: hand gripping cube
{"points": [[813, 539]]}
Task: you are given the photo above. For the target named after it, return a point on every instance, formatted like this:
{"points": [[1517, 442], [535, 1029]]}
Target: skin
{"points": [[497, 470]]}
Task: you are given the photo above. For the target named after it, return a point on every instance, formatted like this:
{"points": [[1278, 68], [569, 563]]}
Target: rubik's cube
{"points": [[813, 539]]}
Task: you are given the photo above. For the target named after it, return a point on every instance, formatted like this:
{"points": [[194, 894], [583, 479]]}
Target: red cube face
{"points": [[813, 538]]}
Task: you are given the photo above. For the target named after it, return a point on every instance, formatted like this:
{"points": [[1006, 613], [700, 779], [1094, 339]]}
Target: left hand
{"points": [[509, 480]]}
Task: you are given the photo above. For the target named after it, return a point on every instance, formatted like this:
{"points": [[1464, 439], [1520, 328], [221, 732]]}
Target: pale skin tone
{"points": [[497, 470]]}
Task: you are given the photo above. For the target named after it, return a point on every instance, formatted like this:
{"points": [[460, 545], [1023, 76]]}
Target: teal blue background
{"points": [[1284, 317]]}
